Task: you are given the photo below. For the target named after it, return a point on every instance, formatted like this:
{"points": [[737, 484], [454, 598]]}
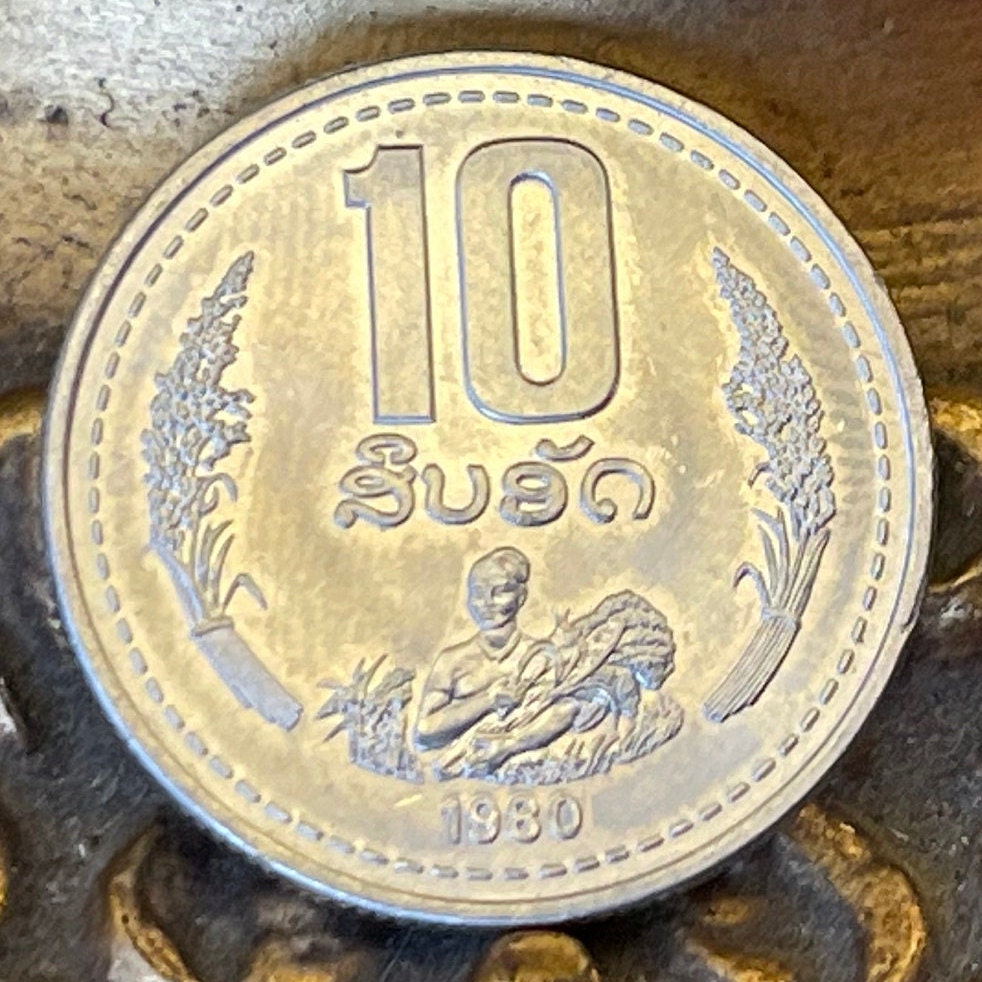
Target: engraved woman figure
{"points": [[501, 694], [490, 675]]}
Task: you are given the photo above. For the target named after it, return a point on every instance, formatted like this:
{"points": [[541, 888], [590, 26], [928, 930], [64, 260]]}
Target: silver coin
{"points": [[487, 487]]}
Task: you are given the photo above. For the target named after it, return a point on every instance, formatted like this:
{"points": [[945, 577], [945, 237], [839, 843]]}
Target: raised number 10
{"points": [[391, 192]]}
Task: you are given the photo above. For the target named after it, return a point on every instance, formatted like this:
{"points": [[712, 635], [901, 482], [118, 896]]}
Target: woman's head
{"points": [[497, 587]]}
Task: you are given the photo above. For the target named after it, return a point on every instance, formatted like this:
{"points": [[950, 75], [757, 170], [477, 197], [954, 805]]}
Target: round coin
{"points": [[487, 487]]}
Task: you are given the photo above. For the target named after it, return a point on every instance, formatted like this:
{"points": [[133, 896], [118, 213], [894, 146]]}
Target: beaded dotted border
{"points": [[764, 766]]}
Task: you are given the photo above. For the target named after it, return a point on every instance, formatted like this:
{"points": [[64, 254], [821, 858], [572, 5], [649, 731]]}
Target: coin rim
{"points": [[225, 821]]}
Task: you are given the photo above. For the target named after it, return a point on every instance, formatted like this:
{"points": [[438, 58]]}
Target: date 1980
{"points": [[481, 819]]}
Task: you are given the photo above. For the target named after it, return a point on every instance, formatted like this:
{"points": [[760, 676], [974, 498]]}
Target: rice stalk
{"points": [[773, 401], [196, 422]]}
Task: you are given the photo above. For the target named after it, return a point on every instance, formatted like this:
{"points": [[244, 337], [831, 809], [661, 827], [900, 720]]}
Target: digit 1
{"points": [[450, 811], [390, 190]]}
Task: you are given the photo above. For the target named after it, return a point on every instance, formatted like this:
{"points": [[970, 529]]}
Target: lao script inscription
{"points": [[534, 492], [195, 424], [506, 707]]}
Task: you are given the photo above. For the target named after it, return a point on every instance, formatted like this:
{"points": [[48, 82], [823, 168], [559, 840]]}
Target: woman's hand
{"points": [[508, 694]]}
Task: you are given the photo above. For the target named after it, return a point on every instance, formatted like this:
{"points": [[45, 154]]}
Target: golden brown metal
{"points": [[953, 604], [536, 956], [881, 895], [21, 413], [4, 876], [878, 894], [133, 937], [721, 912], [734, 967], [279, 961], [957, 414]]}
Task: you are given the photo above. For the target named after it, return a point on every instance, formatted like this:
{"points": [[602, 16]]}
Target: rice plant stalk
{"points": [[196, 422], [373, 714], [773, 401]]}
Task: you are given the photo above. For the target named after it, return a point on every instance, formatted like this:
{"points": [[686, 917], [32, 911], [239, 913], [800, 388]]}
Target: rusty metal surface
{"points": [[880, 876]]}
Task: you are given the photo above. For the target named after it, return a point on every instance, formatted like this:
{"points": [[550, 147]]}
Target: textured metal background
{"points": [[879, 106]]}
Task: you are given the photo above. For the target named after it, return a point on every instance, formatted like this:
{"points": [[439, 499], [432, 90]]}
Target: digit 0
{"points": [[583, 281], [565, 817]]}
